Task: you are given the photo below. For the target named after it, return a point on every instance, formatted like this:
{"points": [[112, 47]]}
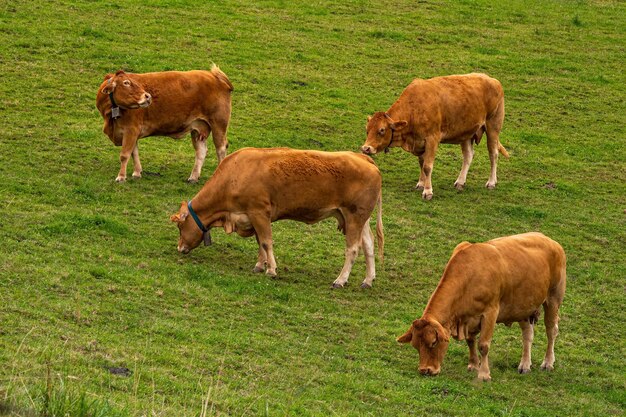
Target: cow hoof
{"points": [[472, 368], [459, 187], [523, 370], [120, 179], [419, 187], [484, 378], [548, 368], [337, 285], [192, 181], [271, 273], [490, 186], [136, 176], [427, 197], [366, 285], [258, 269]]}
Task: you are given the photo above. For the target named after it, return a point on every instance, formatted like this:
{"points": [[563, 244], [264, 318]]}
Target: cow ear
{"points": [[442, 334], [178, 217], [106, 77], [407, 337], [399, 125], [109, 87], [369, 118]]}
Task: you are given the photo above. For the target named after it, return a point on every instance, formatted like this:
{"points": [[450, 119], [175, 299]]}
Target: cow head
{"points": [[382, 132], [190, 234], [431, 341], [126, 92]]}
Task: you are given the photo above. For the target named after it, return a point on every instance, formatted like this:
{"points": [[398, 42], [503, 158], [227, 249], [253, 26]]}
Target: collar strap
{"points": [[113, 103], [392, 132], [390, 140], [196, 218], [115, 109]]}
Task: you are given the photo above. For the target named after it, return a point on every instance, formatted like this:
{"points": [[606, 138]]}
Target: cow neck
{"points": [[441, 306], [205, 206]]}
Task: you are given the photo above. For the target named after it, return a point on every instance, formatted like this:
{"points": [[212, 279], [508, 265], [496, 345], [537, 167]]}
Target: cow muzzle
{"points": [[429, 371], [368, 150], [146, 101]]}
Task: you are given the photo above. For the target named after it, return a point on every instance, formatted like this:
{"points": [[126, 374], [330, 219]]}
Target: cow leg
{"points": [[136, 163], [427, 169], [551, 321], [199, 143], [262, 259], [420, 184], [128, 145], [263, 229], [494, 126], [219, 139], [353, 242], [551, 318], [474, 363], [487, 326], [367, 242], [527, 341], [468, 155]]}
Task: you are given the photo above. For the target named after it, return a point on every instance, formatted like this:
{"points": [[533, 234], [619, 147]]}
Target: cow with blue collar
{"points": [[254, 187]]}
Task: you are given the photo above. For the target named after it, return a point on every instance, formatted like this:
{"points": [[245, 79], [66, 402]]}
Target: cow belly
{"points": [[176, 129], [308, 215], [456, 138], [520, 309]]}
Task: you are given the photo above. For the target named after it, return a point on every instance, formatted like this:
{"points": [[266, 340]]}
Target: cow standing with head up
{"points": [[170, 103], [503, 280], [254, 187], [455, 109]]}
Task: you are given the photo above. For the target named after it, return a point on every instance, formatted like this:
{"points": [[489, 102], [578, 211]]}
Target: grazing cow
{"points": [[254, 187], [170, 103], [503, 280], [456, 109]]}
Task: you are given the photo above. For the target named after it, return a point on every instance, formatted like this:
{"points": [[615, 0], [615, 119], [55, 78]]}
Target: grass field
{"points": [[98, 308]]}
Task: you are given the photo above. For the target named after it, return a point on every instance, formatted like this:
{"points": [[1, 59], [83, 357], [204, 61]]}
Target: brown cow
{"points": [[456, 109], [503, 280], [170, 103], [254, 187]]}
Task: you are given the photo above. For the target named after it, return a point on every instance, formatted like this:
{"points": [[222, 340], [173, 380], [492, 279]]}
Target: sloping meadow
{"points": [[96, 303]]}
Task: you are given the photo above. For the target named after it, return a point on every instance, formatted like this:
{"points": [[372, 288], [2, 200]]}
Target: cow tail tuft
{"points": [[379, 230]]}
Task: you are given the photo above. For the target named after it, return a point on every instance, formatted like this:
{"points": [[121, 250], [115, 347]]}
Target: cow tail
{"points": [[502, 150], [219, 74], [379, 230], [499, 115]]}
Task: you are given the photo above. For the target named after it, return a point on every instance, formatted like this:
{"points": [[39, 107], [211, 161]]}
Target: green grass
{"points": [[90, 278]]}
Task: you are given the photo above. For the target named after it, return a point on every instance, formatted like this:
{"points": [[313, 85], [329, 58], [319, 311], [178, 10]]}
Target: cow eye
{"points": [[434, 344], [127, 83], [381, 131]]}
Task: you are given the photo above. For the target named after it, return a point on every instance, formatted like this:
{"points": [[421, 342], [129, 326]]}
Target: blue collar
{"points": [[196, 218]]}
